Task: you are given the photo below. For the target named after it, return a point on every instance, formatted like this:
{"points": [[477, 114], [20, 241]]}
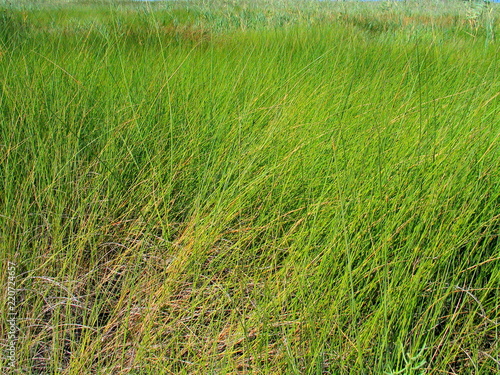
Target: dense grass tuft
{"points": [[261, 187]]}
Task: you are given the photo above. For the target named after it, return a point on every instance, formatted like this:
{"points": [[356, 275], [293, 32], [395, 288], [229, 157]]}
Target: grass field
{"points": [[266, 187]]}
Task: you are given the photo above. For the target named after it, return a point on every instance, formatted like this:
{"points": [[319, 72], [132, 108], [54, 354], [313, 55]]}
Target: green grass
{"points": [[251, 188]]}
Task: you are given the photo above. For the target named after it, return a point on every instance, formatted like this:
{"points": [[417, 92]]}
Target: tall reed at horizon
{"points": [[250, 187]]}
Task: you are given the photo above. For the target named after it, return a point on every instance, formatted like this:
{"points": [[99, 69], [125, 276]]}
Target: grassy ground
{"points": [[251, 188]]}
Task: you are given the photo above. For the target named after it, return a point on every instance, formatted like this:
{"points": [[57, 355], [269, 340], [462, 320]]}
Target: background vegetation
{"points": [[251, 187]]}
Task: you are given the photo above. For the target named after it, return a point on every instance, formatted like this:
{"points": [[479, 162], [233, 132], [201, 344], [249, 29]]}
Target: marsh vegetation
{"points": [[234, 187]]}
